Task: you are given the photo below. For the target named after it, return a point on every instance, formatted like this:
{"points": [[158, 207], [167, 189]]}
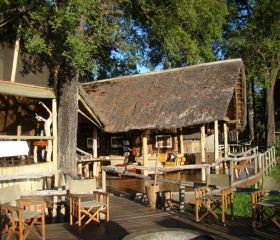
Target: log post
{"points": [[216, 144], [15, 61], [181, 138], [202, 143], [94, 142], [54, 132], [203, 174], [226, 139], [145, 151], [103, 181]]}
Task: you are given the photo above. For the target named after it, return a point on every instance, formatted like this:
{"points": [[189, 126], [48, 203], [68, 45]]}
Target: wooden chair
{"points": [[211, 199], [86, 204], [21, 215], [240, 166], [266, 203]]}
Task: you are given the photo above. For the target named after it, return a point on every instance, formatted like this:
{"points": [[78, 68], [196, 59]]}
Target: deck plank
{"points": [[128, 216]]}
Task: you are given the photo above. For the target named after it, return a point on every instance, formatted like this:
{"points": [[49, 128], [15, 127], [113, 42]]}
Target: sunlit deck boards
{"points": [[128, 216]]}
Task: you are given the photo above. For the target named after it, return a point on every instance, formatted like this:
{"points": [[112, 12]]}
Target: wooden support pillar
{"points": [[103, 181], [216, 143], [145, 151], [202, 143], [15, 61], [226, 139], [54, 130], [94, 142], [181, 138]]}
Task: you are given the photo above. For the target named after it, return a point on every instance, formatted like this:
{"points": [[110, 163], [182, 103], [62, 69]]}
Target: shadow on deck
{"points": [[128, 217]]}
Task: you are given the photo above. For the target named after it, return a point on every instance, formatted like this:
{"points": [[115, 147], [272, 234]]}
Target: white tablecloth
{"points": [[13, 148]]}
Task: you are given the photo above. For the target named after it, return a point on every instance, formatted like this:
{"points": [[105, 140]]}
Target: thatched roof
{"points": [[167, 99]]}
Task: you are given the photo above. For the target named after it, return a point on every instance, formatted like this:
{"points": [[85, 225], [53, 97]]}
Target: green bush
{"points": [[275, 171]]}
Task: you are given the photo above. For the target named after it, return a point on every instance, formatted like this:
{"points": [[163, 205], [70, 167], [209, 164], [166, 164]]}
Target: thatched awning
{"points": [[168, 99]]}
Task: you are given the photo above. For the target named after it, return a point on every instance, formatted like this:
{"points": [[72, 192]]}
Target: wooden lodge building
{"points": [[186, 111], [180, 110]]}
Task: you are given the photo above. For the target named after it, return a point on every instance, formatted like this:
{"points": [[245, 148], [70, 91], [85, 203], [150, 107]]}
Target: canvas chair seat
{"points": [[269, 203], [90, 204], [25, 215]]}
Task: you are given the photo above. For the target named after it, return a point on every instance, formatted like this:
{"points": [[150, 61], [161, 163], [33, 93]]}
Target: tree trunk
{"points": [[250, 113], [270, 115], [67, 124]]}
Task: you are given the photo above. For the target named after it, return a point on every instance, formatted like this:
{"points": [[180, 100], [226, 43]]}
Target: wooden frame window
{"points": [[116, 141], [164, 141]]}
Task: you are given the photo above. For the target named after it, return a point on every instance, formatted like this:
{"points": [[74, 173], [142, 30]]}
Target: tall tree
{"points": [[75, 39], [258, 42], [179, 32]]}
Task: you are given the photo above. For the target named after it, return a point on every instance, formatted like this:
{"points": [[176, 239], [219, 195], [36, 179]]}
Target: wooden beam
{"points": [[94, 142], [181, 138], [11, 137], [103, 181], [87, 117], [216, 140], [225, 140], [54, 126], [145, 151], [202, 143], [97, 123], [216, 143], [15, 61], [19, 89]]}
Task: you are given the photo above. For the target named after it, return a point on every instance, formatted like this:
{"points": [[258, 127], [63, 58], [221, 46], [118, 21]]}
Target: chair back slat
{"points": [[271, 183], [82, 186], [218, 180], [9, 195]]}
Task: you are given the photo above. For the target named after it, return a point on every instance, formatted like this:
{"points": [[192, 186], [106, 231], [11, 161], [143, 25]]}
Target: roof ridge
{"points": [[164, 71]]}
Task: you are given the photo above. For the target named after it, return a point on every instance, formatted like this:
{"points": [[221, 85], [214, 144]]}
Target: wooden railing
{"points": [[262, 163], [87, 166], [30, 177]]}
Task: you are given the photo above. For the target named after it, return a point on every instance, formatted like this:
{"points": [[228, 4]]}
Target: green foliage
{"points": [[180, 32], [275, 171], [76, 33], [242, 204]]}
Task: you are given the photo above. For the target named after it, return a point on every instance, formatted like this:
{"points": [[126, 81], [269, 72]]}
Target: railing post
{"points": [[103, 181], [260, 161], [231, 172], [203, 174], [256, 165], [181, 197]]}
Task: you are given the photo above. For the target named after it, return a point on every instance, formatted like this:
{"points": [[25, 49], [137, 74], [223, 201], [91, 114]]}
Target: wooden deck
{"points": [[128, 216]]}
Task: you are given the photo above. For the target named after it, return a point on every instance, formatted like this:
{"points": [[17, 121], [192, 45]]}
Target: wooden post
{"points": [[145, 151], [216, 144], [202, 143], [54, 130], [182, 151], [103, 181], [231, 171], [203, 174], [18, 131], [15, 61], [94, 142], [226, 139]]}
